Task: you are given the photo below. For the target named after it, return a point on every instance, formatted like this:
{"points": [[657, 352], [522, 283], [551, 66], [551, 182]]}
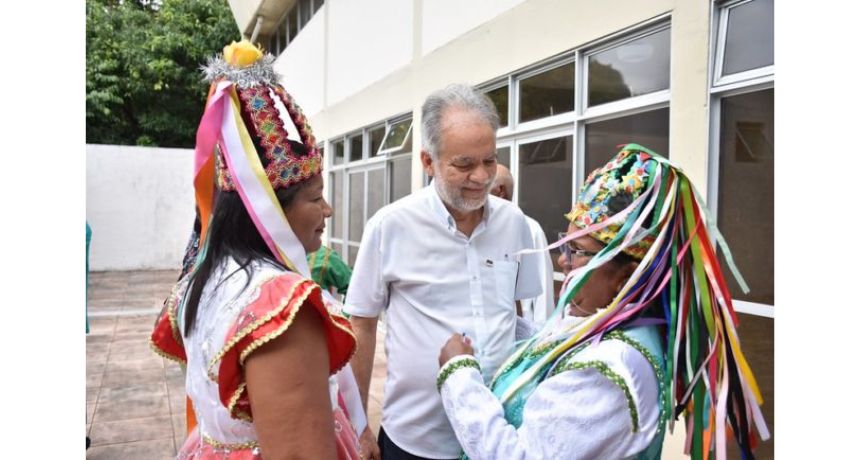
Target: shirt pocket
{"points": [[504, 275]]}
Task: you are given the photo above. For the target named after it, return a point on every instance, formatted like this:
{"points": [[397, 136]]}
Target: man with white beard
{"points": [[440, 261]]}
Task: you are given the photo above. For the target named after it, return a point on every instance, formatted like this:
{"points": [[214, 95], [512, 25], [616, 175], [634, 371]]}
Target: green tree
{"points": [[143, 77]]}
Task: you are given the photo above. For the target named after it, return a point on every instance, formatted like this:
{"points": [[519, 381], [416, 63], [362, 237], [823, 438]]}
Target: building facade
{"points": [[572, 79]]}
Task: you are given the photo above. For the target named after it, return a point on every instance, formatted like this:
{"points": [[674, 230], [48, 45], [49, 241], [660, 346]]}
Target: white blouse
{"points": [[575, 414]]}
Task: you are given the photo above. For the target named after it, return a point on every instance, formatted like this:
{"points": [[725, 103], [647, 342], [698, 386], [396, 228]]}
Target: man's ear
{"points": [[427, 162]]}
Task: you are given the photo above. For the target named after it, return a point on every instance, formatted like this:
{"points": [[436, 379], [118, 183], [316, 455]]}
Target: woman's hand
{"points": [[457, 345]]}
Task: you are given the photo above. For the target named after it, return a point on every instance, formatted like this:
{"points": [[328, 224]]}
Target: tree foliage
{"points": [[143, 83]]}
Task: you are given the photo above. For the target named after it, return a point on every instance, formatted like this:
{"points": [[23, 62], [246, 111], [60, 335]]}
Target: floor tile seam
{"points": [[135, 419], [129, 442], [121, 312]]}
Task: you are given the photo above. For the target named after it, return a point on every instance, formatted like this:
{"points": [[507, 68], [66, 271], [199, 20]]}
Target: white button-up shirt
{"points": [[434, 281]]}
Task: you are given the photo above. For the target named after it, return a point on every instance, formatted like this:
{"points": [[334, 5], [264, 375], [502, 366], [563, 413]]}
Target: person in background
{"points": [[647, 333], [538, 309], [261, 342], [329, 270], [441, 260]]}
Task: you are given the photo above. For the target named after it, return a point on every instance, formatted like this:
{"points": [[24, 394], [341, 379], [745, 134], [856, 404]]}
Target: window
{"points": [[742, 146], [745, 197], [376, 136], [499, 96], [401, 177], [545, 181], [741, 175], [378, 172], [398, 137], [289, 26], [355, 147], [548, 93], [504, 156], [649, 129], [638, 67], [744, 41], [338, 152], [571, 113]]}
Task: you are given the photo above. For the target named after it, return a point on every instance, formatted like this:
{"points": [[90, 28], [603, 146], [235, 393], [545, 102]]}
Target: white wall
{"points": [[367, 40], [140, 206], [445, 20]]}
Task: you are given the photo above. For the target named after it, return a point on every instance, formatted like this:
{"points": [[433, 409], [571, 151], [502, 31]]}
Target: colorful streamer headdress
{"points": [[645, 206], [242, 146]]}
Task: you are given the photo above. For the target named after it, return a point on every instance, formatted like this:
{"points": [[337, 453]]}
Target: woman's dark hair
{"points": [[232, 233]]}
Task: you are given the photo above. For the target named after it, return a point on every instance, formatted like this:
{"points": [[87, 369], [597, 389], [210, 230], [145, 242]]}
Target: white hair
{"points": [[454, 95]]}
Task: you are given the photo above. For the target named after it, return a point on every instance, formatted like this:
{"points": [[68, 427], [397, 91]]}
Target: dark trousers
{"points": [[391, 451]]}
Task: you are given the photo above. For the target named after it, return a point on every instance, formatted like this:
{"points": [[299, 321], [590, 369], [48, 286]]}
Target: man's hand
{"points": [[457, 345], [368, 449]]}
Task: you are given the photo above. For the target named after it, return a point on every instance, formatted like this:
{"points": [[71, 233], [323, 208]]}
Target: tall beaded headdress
{"points": [[641, 204], [243, 146]]}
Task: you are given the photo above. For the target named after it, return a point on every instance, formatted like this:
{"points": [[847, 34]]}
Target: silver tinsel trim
{"points": [[258, 73]]}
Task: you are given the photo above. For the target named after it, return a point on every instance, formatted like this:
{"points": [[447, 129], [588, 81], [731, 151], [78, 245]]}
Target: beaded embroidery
{"points": [[451, 367], [283, 167]]}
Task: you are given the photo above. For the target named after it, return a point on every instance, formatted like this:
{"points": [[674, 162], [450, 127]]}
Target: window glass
{"points": [[397, 135], [304, 12], [745, 197], [749, 37], [504, 154], [353, 253], [292, 19], [376, 136], [355, 146], [634, 68], [317, 5], [356, 206], [545, 181], [499, 96], [338, 152], [286, 27], [335, 183], [756, 338], [375, 191], [401, 177], [603, 139], [548, 93]]}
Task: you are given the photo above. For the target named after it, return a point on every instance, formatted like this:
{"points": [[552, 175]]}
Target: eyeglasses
{"points": [[570, 252]]}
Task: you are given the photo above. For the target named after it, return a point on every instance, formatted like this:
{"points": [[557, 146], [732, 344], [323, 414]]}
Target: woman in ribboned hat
{"points": [[263, 344], [643, 332]]}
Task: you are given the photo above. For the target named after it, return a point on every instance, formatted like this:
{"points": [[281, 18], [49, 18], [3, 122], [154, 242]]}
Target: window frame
{"points": [[720, 26], [574, 122], [285, 27], [366, 163], [754, 80]]}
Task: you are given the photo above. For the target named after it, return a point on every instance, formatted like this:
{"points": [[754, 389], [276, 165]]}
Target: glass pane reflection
{"points": [[548, 93], [499, 96], [356, 206], [603, 139], [632, 69], [545, 182], [745, 197], [749, 37], [401, 175]]}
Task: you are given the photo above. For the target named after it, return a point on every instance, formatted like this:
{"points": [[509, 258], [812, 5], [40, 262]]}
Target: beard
{"points": [[452, 195]]}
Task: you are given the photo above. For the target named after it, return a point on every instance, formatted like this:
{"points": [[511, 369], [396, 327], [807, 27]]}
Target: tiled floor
{"points": [[135, 398]]}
